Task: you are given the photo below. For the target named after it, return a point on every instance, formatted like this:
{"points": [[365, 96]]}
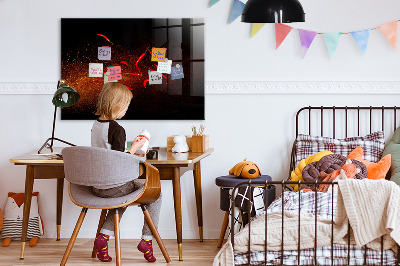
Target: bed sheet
{"points": [[324, 206]]}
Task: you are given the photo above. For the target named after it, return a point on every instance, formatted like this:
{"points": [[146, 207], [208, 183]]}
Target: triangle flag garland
{"points": [[213, 2], [361, 37], [237, 9], [389, 30], [332, 41], [256, 27], [306, 39], [281, 31]]}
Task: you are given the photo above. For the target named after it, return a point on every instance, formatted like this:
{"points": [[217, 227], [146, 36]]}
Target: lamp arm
{"points": [[54, 126]]}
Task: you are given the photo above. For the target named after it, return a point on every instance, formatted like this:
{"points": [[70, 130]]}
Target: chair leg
{"points": [[117, 239], [101, 222], [223, 229], [73, 237], [154, 230]]}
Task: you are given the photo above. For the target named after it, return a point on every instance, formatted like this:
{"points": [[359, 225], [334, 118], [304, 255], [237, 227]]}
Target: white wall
{"points": [[259, 127]]}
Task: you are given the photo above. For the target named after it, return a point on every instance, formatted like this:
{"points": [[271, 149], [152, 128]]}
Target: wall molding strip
{"points": [[248, 87]]}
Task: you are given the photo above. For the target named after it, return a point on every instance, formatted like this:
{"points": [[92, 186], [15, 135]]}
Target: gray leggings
{"points": [[154, 208]]}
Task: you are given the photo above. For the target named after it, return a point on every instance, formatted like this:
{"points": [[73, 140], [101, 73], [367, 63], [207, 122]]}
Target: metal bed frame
{"points": [[283, 184]]}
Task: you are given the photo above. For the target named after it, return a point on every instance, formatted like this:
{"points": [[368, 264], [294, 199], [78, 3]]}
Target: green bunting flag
{"points": [[213, 2]]}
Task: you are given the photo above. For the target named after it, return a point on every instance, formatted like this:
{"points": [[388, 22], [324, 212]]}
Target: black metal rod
{"points": [[370, 120], [358, 121], [333, 189], [283, 210], [315, 222], [298, 226], [348, 242], [266, 220], [309, 120], [365, 255], [54, 126], [334, 121], [322, 121], [382, 250], [346, 120]]}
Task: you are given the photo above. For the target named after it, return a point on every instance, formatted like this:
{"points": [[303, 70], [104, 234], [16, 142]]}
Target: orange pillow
{"points": [[375, 170]]}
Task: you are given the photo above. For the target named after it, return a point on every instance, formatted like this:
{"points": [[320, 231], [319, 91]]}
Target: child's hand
{"points": [[137, 144], [143, 155]]}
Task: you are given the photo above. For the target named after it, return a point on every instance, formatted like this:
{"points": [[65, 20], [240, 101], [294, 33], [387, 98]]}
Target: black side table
{"points": [[226, 183]]}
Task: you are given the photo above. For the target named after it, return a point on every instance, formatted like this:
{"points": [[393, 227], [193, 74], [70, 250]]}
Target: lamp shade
{"points": [[273, 11], [65, 96]]}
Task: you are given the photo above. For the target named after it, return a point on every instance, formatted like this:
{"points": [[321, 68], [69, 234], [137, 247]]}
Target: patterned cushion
{"points": [[372, 144]]}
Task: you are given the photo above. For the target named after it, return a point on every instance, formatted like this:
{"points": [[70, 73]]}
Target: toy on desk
{"points": [[245, 169], [180, 144], [144, 134], [13, 216]]}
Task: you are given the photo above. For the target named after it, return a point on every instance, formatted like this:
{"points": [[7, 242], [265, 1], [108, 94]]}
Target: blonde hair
{"points": [[112, 99]]}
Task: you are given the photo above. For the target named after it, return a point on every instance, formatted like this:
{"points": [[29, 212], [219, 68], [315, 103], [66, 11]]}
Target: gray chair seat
{"points": [[82, 195]]}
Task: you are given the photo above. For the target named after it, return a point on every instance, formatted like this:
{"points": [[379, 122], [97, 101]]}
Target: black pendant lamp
{"points": [[273, 11]]}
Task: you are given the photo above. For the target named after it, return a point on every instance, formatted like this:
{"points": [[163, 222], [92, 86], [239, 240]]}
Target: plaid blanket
{"points": [[323, 205], [340, 254]]}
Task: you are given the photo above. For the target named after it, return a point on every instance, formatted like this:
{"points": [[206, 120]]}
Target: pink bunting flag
{"points": [[389, 30], [281, 31], [306, 39]]}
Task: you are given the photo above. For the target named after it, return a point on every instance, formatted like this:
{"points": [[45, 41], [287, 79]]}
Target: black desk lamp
{"points": [[273, 11], [65, 96]]}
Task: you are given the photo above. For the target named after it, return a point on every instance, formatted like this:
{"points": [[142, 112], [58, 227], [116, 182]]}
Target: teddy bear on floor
{"points": [[13, 215]]}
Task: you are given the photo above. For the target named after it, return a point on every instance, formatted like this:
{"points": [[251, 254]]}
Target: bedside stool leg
{"points": [[223, 229]]}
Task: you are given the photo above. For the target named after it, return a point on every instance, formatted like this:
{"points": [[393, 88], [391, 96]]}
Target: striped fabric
{"points": [[372, 145], [340, 253], [13, 228], [322, 207]]}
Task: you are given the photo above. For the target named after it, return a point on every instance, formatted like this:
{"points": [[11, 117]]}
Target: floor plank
{"points": [[49, 252]]}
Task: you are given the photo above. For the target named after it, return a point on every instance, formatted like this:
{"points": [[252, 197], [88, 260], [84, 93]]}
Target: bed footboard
{"points": [[384, 257]]}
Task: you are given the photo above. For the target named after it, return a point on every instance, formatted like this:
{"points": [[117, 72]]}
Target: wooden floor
{"points": [[50, 252]]}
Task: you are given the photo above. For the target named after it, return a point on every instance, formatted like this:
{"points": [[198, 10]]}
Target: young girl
{"points": [[112, 104]]}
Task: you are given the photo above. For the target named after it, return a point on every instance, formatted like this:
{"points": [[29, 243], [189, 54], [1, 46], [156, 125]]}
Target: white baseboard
{"points": [[248, 87]]}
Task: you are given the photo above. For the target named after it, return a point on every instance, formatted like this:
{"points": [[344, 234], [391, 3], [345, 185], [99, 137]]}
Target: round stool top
{"points": [[230, 181]]}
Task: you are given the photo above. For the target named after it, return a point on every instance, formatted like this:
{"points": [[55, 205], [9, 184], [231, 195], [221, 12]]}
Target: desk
{"points": [[170, 165]]}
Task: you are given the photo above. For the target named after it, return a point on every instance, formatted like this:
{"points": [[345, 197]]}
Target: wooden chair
{"points": [[85, 167]]}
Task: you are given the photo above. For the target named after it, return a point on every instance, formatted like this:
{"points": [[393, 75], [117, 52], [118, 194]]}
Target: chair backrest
{"points": [[92, 166]]}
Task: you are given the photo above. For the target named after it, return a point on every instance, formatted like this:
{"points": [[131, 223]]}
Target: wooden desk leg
{"points": [[27, 206], [176, 182], [60, 190], [199, 204]]}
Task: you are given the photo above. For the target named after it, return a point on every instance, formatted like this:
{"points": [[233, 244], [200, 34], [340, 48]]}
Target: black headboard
{"points": [[343, 122]]}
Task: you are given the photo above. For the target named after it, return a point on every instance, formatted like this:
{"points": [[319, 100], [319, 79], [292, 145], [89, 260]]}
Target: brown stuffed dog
{"points": [[245, 169]]}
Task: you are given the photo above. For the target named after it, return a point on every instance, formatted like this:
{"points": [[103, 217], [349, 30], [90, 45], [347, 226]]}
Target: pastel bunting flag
{"points": [[281, 31], [389, 30], [213, 2], [306, 39], [237, 9], [332, 41], [256, 27], [361, 37]]}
